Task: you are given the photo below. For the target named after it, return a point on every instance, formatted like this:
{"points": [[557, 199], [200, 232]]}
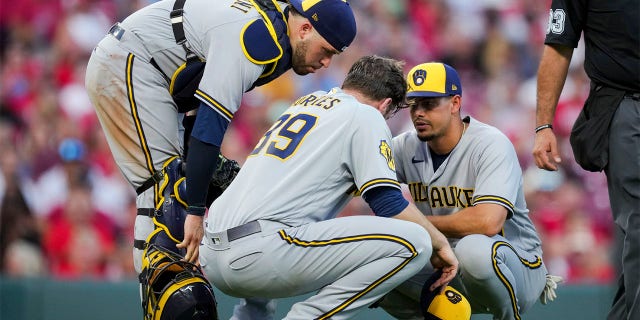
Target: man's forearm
{"points": [[552, 73], [484, 218], [411, 213]]}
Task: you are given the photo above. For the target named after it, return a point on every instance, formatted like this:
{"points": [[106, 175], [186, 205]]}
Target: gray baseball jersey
{"points": [[324, 149], [128, 77], [311, 177], [482, 168]]}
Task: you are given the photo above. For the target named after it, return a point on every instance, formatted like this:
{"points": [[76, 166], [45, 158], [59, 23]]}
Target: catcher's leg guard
{"points": [[171, 209]]}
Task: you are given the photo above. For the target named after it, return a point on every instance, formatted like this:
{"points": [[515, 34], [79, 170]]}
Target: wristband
{"points": [[196, 211], [544, 126]]}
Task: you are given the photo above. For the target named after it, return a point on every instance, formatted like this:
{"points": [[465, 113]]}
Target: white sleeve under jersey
{"points": [[323, 150], [482, 168]]}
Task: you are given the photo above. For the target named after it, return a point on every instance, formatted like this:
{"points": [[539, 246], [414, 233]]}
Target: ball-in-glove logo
{"points": [[453, 296], [419, 76]]}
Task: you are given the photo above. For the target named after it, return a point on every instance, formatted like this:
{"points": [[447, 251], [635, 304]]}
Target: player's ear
{"points": [[384, 106], [456, 104], [299, 27], [305, 29]]}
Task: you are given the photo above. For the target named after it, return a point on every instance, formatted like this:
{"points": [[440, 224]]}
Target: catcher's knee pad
{"points": [[171, 209], [173, 289], [448, 305]]}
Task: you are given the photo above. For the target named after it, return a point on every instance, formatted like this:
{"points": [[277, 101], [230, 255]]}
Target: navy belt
{"points": [[116, 31], [243, 230]]}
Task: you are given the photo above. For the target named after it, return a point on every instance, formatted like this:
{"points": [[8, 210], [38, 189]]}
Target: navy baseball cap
{"points": [[433, 79], [333, 19]]}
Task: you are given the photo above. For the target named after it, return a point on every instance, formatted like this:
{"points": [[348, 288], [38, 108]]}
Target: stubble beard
{"points": [[426, 137], [429, 136], [298, 63]]}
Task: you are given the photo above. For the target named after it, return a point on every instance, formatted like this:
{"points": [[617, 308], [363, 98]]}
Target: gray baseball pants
{"points": [[350, 262]]}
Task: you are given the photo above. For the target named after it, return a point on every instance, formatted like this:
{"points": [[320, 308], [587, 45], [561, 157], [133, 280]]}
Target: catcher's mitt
{"points": [[223, 176], [225, 172]]}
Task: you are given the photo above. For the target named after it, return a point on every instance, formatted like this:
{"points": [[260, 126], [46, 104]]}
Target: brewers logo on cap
{"points": [[449, 305], [433, 79], [419, 76]]}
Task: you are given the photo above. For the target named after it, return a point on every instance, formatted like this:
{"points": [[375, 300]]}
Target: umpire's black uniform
{"points": [[612, 62]]}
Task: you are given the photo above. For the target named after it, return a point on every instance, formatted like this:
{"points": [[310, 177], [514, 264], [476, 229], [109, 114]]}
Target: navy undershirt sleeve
{"points": [[385, 201], [201, 163], [202, 159], [210, 126]]}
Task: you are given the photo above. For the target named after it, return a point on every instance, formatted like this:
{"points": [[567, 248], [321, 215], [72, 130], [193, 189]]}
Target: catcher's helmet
{"points": [[174, 289], [448, 305]]}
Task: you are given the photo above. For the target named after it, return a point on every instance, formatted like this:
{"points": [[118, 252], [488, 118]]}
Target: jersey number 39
{"points": [[286, 135]]}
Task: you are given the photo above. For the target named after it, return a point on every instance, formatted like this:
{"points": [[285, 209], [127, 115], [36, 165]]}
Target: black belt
{"points": [[242, 231], [149, 212]]}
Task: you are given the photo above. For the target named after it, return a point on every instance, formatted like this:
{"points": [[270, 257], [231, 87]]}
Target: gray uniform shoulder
{"points": [[483, 136]]}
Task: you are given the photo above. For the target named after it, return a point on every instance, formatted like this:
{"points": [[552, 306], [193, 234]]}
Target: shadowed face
{"points": [[311, 53]]}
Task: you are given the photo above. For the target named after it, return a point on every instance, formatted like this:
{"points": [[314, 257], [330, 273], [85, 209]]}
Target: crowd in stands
{"points": [[66, 211]]}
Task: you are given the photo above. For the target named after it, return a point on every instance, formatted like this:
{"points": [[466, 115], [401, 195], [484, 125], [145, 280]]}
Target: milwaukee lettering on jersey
{"points": [[441, 197]]}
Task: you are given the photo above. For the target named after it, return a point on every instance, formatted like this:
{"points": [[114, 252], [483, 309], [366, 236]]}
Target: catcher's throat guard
{"points": [[173, 289]]}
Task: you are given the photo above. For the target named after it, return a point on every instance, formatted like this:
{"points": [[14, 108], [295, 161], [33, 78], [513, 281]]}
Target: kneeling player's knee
{"points": [[415, 242], [475, 256], [420, 240]]}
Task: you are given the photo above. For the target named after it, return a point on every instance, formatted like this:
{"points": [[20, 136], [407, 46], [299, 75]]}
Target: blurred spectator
{"points": [[76, 168], [24, 259], [18, 229], [575, 240], [51, 188], [78, 239]]}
